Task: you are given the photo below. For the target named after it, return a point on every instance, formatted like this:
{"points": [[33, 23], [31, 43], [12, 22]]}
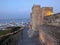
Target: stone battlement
{"points": [[44, 22]]}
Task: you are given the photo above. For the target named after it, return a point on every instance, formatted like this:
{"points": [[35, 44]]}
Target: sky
{"points": [[22, 8]]}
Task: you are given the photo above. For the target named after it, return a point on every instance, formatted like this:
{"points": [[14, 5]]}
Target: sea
{"points": [[4, 21]]}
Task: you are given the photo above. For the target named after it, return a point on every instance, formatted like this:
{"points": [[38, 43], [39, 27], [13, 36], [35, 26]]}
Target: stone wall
{"points": [[44, 22], [35, 16], [13, 38], [49, 35], [53, 20]]}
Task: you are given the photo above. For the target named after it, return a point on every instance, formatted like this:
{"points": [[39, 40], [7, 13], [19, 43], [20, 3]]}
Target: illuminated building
{"points": [[38, 14], [47, 11]]}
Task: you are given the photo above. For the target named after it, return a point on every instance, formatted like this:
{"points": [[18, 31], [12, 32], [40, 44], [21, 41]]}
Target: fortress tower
{"points": [[38, 14], [35, 16], [47, 11], [47, 34]]}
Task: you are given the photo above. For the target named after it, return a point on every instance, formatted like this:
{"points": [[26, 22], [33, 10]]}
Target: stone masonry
{"points": [[44, 25]]}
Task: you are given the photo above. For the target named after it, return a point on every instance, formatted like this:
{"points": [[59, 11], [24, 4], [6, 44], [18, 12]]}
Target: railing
{"points": [[11, 38]]}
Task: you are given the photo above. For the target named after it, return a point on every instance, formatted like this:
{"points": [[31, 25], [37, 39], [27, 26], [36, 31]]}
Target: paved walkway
{"points": [[26, 40]]}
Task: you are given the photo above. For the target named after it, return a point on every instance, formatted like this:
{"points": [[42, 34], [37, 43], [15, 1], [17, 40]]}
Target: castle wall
{"points": [[35, 16], [47, 11], [40, 17]]}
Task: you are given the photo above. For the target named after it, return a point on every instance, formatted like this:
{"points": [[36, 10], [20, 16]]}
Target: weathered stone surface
{"points": [[47, 23], [53, 32]]}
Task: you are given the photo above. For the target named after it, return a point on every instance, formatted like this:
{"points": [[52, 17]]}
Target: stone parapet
{"points": [[50, 35]]}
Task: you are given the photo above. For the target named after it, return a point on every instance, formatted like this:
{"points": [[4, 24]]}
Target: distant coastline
{"points": [[13, 20]]}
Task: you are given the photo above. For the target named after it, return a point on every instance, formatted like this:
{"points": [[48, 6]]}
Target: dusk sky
{"points": [[22, 8]]}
